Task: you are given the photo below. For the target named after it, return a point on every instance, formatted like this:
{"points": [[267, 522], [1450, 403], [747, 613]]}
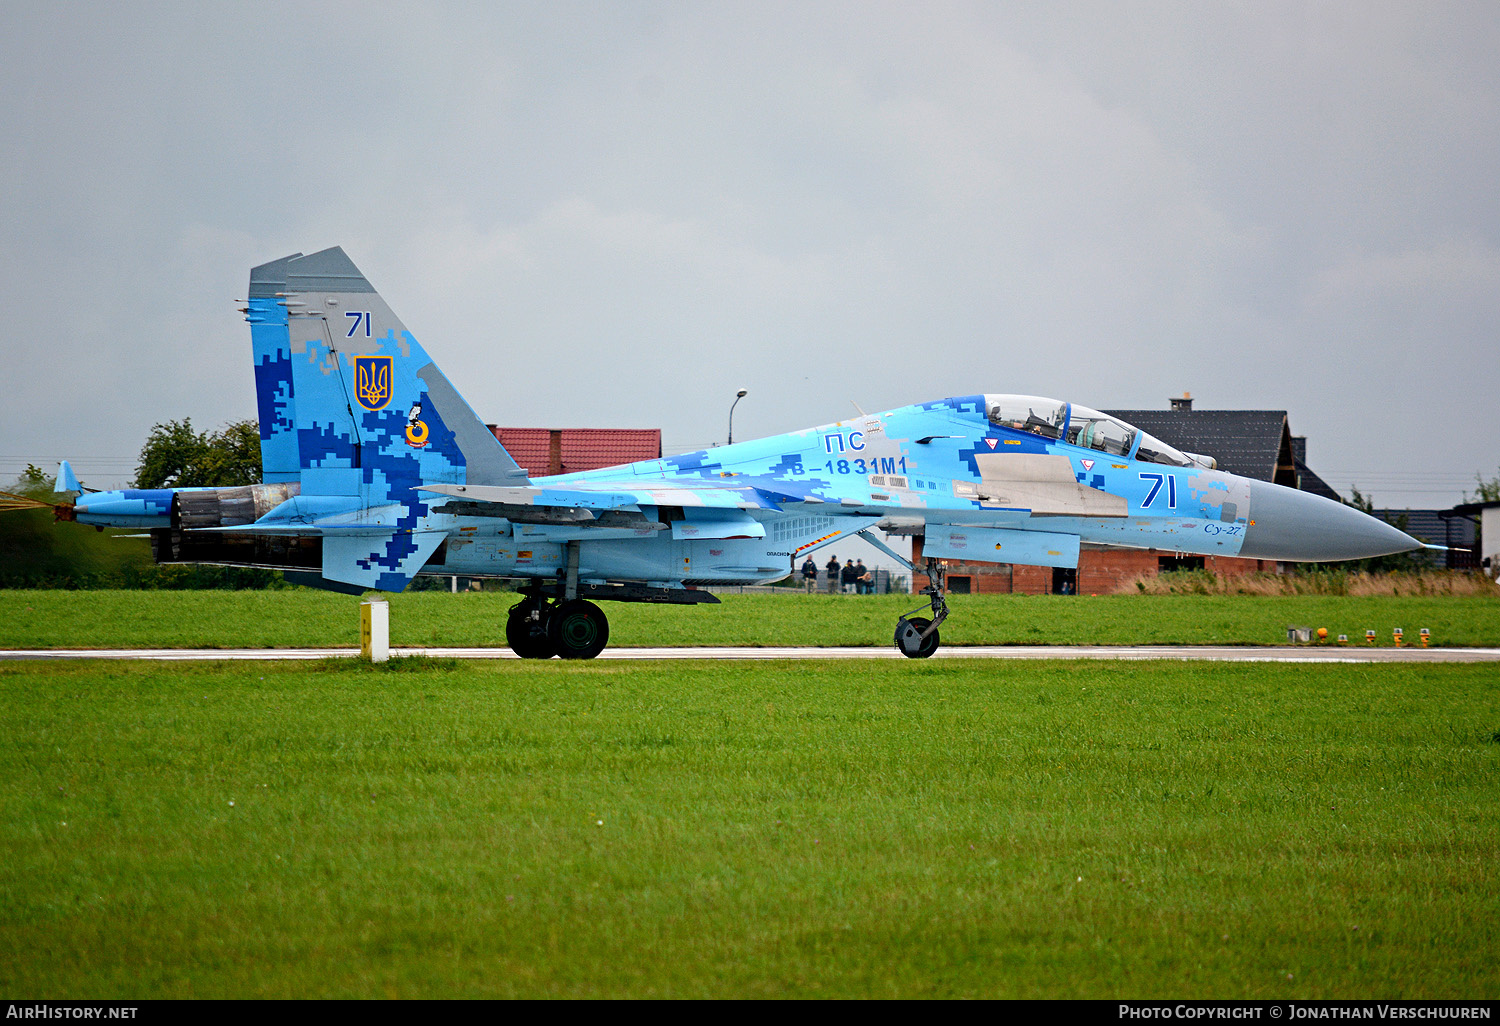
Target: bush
{"points": [[1315, 581]]}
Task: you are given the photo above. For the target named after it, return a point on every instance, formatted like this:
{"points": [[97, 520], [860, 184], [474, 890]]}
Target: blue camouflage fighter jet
{"points": [[375, 470]]}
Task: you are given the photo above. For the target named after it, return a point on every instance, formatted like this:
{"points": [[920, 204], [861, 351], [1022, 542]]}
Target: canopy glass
{"points": [[1080, 426]]}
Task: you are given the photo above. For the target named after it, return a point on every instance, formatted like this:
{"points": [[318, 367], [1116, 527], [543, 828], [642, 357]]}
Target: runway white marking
{"points": [[1232, 654]]}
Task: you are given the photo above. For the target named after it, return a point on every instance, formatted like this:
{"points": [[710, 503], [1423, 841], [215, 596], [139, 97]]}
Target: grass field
{"points": [[959, 828], [301, 618]]}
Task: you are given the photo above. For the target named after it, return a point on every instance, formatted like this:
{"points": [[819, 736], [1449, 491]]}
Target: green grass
{"points": [[956, 828], [301, 618]]}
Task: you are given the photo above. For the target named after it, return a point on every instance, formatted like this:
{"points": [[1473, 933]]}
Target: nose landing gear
{"points": [[917, 636]]}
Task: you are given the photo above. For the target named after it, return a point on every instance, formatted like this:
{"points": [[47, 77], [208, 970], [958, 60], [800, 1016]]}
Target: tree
{"points": [[33, 480], [1489, 491], [175, 456], [233, 455]]}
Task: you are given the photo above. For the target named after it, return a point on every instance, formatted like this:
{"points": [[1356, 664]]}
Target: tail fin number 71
{"points": [[358, 317]]}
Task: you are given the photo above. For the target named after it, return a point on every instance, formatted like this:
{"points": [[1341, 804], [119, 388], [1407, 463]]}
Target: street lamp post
{"points": [[737, 397]]}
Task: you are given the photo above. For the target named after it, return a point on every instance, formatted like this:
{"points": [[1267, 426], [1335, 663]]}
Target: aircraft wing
{"points": [[1027, 484], [701, 511], [587, 499], [1023, 490]]}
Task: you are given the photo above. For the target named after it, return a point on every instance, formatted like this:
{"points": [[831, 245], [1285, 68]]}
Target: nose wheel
{"points": [[917, 636]]}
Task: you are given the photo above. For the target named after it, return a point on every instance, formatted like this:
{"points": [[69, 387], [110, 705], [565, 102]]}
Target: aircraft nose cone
{"points": [[1301, 527]]}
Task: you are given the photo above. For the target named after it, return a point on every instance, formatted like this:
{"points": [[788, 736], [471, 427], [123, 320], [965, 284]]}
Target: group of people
{"points": [[852, 578]]}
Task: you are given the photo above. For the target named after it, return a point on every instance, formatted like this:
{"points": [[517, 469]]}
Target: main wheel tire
{"points": [[909, 640], [578, 629], [526, 636]]}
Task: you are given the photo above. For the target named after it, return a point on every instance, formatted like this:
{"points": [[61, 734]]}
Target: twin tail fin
{"points": [[354, 411], [349, 401]]}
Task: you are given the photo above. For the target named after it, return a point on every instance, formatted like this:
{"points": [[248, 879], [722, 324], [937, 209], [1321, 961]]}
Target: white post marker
{"points": [[375, 630]]}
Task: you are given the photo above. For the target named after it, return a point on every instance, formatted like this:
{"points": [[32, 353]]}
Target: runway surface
{"points": [[1231, 654]]}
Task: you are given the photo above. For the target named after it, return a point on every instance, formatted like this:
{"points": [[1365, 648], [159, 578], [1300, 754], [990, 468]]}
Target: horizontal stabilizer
{"points": [[384, 562]]}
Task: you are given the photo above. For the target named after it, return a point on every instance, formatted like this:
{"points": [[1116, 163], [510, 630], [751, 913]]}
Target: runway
{"points": [[1222, 654]]}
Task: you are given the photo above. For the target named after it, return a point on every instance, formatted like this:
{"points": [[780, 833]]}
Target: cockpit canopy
{"points": [[1081, 426], [1029, 413]]}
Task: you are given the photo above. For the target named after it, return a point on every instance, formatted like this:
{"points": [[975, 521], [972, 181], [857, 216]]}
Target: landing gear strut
{"points": [[540, 629], [917, 636], [526, 629]]}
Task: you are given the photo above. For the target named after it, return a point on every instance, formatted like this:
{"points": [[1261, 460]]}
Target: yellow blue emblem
{"points": [[372, 381], [416, 430]]}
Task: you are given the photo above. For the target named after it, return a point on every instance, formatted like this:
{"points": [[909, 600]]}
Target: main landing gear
{"points": [[554, 619], [539, 628], [917, 636]]}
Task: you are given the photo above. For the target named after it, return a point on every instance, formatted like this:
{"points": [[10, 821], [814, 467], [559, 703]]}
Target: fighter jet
{"points": [[376, 470]]}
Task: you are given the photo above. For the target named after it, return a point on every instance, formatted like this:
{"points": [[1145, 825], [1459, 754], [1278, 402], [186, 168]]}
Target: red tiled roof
{"points": [[527, 446], [541, 451]]}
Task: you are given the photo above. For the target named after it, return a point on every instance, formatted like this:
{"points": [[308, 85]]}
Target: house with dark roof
{"points": [[1306, 479], [1250, 443]]}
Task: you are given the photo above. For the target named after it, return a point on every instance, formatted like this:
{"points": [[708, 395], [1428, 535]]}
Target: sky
{"points": [[617, 214]]}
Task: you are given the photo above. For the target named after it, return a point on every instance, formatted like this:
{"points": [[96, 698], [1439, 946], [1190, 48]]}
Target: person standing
{"points": [[847, 577], [864, 581], [833, 568], [810, 575]]}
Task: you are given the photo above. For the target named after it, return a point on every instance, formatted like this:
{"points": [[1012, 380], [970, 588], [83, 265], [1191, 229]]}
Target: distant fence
{"points": [[885, 582]]}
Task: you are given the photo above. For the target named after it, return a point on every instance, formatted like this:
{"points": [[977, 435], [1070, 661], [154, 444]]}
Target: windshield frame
{"points": [[1088, 415], [1035, 424], [1143, 446]]}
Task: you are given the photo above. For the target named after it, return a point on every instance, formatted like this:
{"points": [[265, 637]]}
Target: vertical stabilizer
{"points": [[273, 372], [353, 409], [372, 411]]}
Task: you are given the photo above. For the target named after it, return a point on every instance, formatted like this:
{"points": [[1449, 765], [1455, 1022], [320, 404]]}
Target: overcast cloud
{"points": [[616, 214]]}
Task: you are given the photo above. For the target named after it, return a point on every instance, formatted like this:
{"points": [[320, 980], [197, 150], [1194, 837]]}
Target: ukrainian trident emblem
{"points": [[372, 381]]}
